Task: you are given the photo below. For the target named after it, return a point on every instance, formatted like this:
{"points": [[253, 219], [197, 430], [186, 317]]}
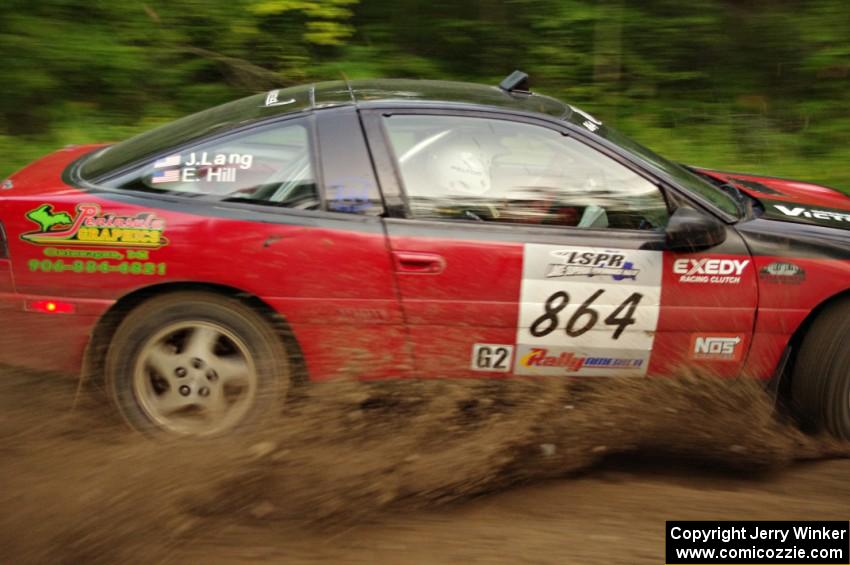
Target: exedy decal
{"points": [[705, 270], [91, 227]]}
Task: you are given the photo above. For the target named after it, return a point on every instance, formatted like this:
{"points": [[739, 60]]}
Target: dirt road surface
{"points": [[615, 514], [414, 472]]}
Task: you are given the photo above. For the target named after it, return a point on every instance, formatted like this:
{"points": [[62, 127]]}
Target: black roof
{"points": [[432, 92], [312, 96]]}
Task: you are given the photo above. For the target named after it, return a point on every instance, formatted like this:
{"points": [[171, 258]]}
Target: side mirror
{"points": [[692, 230]]}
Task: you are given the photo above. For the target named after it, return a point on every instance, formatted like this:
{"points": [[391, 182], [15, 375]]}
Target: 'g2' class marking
{"points": [[549, 320], [492, 357]]}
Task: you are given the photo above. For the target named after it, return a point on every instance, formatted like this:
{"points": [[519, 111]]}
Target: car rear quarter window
{"points": [[115, 158], [490, 170], [271, 164]]}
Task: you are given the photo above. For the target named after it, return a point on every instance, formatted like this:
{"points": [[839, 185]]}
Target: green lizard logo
{"points": [[47, 219]]}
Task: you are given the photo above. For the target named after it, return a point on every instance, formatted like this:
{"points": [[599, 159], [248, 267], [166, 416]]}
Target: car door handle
{"points": [[419, 263]]}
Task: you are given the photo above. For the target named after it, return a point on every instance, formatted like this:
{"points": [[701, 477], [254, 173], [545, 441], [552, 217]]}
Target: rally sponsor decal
{"points": [[782, 273], [819, 216], [492, 357], [813, 213], [572, 263], [587, 310], [717, 347], [90, 226], [569, 361], [121, 244], [706, 270]]}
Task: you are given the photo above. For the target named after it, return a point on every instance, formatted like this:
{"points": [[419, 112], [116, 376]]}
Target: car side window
{"points": [[271, 164], [481, 169]]}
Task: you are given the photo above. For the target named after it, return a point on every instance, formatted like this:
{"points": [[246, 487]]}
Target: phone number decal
{"points": [[97, 267]]}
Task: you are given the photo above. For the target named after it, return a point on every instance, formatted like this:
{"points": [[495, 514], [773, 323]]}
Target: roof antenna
{"points": [[516, 82]]}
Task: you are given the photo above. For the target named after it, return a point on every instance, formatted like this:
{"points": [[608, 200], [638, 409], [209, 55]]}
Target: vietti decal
{"points": [[813, 213], [92, 227]]}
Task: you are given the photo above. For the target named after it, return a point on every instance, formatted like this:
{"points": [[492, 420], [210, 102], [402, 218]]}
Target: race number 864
{"points": [[585, 317]]}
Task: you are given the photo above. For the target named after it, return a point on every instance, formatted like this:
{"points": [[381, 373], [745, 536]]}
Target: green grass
{"points": [[80, 128]]}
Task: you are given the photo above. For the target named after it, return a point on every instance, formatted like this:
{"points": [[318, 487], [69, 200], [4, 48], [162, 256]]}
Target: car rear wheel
{"points": [[820, 383], [195, 364]]}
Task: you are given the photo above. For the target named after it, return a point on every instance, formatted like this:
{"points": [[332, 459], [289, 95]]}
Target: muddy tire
{"points": [[820, 383], [195, 364]]}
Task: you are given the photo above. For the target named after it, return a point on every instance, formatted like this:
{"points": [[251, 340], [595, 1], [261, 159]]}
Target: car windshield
{"points": [[221, 118], [677, 172]]}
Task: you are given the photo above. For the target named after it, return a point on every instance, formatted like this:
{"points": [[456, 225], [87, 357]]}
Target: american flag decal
{"points": [[166, 176], [170, 161]]}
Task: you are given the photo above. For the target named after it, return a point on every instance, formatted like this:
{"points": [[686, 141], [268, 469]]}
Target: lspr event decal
{"points": [[90, 226], [587, 311]]}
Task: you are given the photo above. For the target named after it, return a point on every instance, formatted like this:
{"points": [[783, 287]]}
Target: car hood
{"points": [[789, 200]]}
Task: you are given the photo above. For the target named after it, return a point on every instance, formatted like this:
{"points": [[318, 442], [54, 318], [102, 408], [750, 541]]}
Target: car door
{"points": [[521, 248]]}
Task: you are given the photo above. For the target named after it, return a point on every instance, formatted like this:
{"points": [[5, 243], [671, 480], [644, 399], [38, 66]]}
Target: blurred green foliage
{"points": [[757, 85]]}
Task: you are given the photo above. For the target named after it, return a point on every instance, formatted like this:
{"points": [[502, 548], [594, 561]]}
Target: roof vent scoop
{"points": [[516, 82]]}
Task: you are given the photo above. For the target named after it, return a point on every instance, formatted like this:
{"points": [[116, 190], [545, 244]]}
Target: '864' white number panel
{"points": [[587, 311]]}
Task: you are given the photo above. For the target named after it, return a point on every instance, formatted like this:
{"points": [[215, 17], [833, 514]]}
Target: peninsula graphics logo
{"points": [[91, 227]]}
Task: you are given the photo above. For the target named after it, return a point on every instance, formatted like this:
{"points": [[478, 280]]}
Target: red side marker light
{"points": [[50, 307]]}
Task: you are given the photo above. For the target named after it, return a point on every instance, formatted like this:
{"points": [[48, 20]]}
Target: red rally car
{"points": [[391, 229]]}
